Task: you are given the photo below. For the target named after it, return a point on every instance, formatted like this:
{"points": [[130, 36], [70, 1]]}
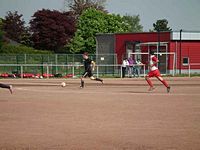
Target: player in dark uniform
{"points": [[89, 66], [5, 86]]}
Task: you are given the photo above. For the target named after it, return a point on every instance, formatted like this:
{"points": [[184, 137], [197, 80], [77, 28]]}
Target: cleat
{"points": [[11, 89], [151, 88], [82, 84], [168, 89], [102, 82]]}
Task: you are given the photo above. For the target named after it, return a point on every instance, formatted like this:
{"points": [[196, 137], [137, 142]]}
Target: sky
{"points": [[181, 14]]}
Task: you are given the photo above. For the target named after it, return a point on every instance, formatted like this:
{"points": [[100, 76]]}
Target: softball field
{"points": [[118, 115]]}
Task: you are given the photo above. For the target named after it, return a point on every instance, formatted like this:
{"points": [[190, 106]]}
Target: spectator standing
{"points": [[125, 64], [138, 67], [131, 67]]}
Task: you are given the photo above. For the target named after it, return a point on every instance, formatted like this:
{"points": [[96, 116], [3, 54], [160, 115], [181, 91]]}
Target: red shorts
{"points": [[155, 73]]}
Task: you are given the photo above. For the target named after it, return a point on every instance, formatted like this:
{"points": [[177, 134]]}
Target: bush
{"points": [[21, 49]]}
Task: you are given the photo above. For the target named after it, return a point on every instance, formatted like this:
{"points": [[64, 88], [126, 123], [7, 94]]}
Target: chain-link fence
{"points": [[47, 70], [55, 59], [57, 63]]}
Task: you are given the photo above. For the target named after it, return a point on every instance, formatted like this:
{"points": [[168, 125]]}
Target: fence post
{"points": [[73, 71], [25, 58], [42, 67], [189, 70], [121, 71], [97, 71], [144, 70], [174, 65], [21, 71], [56, 59], [47, 71]]}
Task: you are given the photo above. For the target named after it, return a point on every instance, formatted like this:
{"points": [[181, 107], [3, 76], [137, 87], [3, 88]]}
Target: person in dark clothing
{"points": [[5, 86], [89, 66]]}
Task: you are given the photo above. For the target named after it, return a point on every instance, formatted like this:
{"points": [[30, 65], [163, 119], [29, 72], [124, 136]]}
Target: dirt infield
{"points": [[118, 115]]}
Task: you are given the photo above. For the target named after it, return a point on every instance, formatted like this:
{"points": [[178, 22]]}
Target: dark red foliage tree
{"points": [[52, 30]]}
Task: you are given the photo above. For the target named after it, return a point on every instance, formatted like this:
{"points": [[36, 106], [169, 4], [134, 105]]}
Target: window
{"points": [[185, 61]]}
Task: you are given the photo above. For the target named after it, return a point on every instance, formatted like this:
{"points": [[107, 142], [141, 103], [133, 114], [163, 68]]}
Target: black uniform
{"points": [[88, 72], [88, 68]]}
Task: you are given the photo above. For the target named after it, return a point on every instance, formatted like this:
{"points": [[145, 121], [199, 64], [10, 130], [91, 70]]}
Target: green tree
{"points": [[1, 33], [134, 21], [26, 37], [90, 23], [78, 6], [161, 25], [13, 26], [1, 38], [1, 23]]}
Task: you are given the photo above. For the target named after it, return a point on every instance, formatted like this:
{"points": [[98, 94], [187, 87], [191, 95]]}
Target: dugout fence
{"points": [[73, 70], [66, 59], [34, 62]]}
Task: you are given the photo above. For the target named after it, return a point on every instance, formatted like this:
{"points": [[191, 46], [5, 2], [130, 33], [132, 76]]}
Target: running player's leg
{"points": [[93, 78], [82, 79], [82, 83], [164, 83], [159, 77], [97, 79], [7, 87], [147, 77]]}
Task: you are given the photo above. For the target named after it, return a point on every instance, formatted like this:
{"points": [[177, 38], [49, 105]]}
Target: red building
{"points": [[177, 51]]}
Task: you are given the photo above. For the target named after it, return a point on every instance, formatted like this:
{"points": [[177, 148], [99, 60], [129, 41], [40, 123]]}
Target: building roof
{"points": [[187, 36], [175, 35]]}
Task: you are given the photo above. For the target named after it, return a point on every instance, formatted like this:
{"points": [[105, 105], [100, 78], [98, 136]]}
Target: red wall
{"points": [[190, 49], [120, 40]]}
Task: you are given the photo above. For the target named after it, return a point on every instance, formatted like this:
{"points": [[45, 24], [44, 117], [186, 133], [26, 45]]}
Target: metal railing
{"points": [[189, 68], [74, 69]]}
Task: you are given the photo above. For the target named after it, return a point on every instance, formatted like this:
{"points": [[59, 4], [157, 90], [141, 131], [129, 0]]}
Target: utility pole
{"points": [[180, 52], [158, 40]]}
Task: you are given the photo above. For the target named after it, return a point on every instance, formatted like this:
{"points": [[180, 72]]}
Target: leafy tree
{"points": [[26, 38], [78, 6], [90, 23], [52, 29], [1, 33], [134, 21], [161, 25], [13, 25], [1, 38], [1, 23]]}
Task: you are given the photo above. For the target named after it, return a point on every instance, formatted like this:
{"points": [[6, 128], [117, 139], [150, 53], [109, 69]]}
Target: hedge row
{"points": [[21, 49]]}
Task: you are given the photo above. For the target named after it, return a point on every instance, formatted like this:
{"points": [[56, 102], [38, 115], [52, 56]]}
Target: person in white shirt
{"points": [[125, 64]]}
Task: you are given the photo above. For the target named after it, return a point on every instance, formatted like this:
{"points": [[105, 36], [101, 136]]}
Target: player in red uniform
{"points": [[154, 72]]}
